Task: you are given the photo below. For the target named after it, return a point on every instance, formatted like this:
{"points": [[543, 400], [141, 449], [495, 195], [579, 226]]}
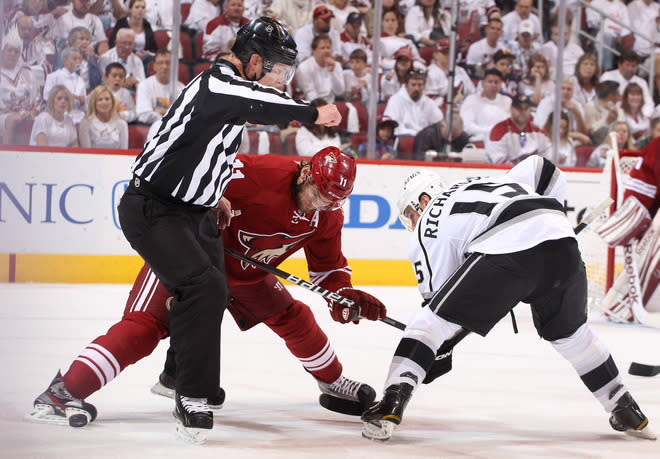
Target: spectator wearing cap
{"points": [[353, 37], [503, 61], [391, 41], [321, 75], [342, 9], [573, 109], [483, 110], [601, 113], [394, 80], [437, 76], [357, 78], [430, 142], [511, 21], [320, 25], [537, 83], [517, 137], [384, 138], [411, 108], [220, 30], [572, 52], [480, 53], [524, 47], [626, 72], [427, 21]]}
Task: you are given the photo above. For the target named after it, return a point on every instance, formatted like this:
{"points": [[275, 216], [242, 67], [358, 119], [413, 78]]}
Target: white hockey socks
{"points": [[415, 354], [594, 363]]}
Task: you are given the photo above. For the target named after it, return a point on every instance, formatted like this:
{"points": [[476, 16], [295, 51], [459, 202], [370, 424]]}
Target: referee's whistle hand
{"points": [[328, 115]]}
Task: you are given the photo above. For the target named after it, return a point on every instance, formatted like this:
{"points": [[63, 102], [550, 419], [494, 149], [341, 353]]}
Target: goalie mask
{"points": [[418, 183], [269, 39], [333, 172]]}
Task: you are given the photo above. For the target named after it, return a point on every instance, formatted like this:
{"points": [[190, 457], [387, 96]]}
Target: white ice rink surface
{"points": [[509, 396]]}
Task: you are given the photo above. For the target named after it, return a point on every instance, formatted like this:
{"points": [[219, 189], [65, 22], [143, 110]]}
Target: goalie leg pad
{"points": [[648, 252], [627, 223]]}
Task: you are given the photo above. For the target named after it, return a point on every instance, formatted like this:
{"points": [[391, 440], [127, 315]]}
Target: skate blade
{"points": [[378, 430], [77, 417], [43, 414], [190, 434], [159, 389], [646, 433]]}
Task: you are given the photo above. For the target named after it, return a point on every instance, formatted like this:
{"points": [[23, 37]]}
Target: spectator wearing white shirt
{"points": [[536, 84], [159, 14], [123, 53], [357, 78], [643, 17], [482, 111], [626, 72], [352, 37], [102, 127], [79, 16], [613, 33], [601, 112], [425, 17], [391, 41], [320, 25], [68, 76], [571, 54], [311, 138], [220, 30], [54, 127], [631, 105], [411, 108], [480, 53], [587, 77], [517, 137], [341, 10], [115, 74], [437, 77], [153, 94], [293, 13], [394, 79], [574, 110], [201, 12], [320, 76], [511, 21], [524, 47]]}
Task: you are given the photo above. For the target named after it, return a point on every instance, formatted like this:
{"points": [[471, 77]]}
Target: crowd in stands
{"points": [[96, 74]]}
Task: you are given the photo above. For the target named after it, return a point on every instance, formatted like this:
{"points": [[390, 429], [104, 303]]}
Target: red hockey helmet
{"points": [[333, 172]]}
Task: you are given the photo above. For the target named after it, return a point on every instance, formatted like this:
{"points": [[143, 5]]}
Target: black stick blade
{"points": [[641, 369]]}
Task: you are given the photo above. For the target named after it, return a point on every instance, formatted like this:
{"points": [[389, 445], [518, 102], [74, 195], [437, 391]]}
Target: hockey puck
{"points": [[641, 369], [340, 405]]}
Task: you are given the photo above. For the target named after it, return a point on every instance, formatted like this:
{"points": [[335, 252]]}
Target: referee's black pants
{"points": [[182, 245]]}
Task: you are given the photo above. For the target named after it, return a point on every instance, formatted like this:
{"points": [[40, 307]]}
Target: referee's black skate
{"points": [[166, 385], [381, 418], [627, 417], [346, 396], [56, 405], [193, 418]]}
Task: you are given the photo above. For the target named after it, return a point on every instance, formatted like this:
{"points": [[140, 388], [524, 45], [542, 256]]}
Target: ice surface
{"points": [[509, 396]]}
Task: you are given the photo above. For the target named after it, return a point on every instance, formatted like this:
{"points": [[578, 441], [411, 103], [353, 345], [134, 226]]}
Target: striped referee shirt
{"points": [[190, 158]]}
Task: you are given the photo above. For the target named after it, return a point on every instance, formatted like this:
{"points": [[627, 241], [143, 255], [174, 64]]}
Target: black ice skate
{"points": [[166, 384], [627, 417], [346, 396], [193, 418], [380, 419], [57, 406]]}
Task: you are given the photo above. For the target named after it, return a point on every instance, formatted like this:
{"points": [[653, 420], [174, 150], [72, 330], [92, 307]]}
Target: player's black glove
{"points": [[370, 307]]}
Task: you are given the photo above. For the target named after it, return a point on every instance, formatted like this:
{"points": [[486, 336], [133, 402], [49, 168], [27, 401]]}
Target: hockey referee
{"points": [[179, 178]]}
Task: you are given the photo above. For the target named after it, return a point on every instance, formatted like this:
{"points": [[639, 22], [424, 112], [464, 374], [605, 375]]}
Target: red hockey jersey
{"points": [[645, 178], [270, 227]]}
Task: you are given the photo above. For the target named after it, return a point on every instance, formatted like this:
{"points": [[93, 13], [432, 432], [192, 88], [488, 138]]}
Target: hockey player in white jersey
{"points": [[480, 247]]}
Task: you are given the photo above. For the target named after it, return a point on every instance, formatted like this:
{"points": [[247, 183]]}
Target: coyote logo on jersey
{"points": [[267, 247]]}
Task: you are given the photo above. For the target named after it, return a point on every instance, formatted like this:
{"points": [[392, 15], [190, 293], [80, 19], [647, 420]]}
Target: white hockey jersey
{"points": [[492, 215]]}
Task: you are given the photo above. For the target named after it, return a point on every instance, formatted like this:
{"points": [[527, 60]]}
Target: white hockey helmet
{"points": [[418, 183]]}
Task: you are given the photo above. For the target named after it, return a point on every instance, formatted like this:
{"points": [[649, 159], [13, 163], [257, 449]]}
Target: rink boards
{"points": [[58, 219]]}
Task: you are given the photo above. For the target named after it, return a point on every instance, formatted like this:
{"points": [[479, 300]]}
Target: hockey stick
{"points": [[311, 286], [641, 369]]}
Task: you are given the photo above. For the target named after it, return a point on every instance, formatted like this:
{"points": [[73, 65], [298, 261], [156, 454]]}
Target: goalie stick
{"points": [[311, 286], [641, 369]]}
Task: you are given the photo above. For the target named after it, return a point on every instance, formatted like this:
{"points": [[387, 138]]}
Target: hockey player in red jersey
{"points": [[637, 219], [280, 206]]}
